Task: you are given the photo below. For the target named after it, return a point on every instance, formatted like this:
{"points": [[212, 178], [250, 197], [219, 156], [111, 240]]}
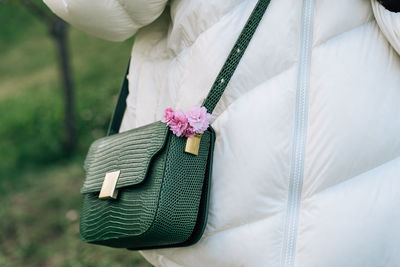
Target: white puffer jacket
{"points": [[307, 156]]}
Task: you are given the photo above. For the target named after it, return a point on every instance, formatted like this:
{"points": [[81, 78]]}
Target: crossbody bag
{"points": [[147, 187]]}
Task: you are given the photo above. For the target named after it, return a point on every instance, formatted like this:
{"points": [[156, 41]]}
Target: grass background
{"points": [[39, 189]]}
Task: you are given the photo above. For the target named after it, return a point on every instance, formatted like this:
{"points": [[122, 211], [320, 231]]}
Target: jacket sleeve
{"points": [[114, 20], [389, 23]]}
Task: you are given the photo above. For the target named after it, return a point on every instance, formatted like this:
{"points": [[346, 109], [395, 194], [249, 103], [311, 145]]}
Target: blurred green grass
{"points": [[40, 227], [39, 189]]}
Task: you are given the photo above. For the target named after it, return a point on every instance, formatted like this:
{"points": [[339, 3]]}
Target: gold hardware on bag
{"points": [[193, 144], [109, 184]]}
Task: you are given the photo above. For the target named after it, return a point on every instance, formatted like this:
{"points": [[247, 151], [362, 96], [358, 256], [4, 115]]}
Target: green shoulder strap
{"points": [[223, 77], [235, 55], [119, 110]]}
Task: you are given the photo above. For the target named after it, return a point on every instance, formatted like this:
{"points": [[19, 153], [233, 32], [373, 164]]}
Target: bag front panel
{"points": [[131, 214]]}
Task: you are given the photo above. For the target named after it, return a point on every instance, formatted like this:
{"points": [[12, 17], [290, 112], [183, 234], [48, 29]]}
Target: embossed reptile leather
{"points": [[130, 151], [163, 191], [143, 213]]}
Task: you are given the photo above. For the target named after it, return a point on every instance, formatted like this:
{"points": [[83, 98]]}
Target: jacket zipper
{"points": [[300, 132]]}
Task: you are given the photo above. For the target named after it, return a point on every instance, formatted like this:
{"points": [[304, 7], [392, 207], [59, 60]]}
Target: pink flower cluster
{"points": [[195, 121]]}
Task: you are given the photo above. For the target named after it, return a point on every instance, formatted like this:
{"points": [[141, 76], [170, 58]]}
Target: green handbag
{"points": [[147, 188]]}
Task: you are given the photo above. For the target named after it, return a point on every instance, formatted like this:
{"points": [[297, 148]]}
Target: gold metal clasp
{"points": [[193, 144], [108, 188]]}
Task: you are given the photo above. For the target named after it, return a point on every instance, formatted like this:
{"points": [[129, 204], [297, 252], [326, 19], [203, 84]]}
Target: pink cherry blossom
{"points": [[189, 131], [178, 123], [168, 115], [195, 121], [198, 118]]}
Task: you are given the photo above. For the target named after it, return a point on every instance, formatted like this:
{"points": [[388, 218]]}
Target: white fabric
{"points": [[108, 19], [349, 208], [389, 23]]}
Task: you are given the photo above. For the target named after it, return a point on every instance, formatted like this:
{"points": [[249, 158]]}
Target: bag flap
{"points": [[129, 152]]}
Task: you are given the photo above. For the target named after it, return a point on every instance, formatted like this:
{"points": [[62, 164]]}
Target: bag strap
{"points": [[223, 77], [119, 110], [235, 55]]}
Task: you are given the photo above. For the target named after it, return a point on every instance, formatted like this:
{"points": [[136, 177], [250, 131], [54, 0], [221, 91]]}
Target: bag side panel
{"points": [[182, 189]]}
